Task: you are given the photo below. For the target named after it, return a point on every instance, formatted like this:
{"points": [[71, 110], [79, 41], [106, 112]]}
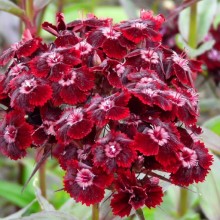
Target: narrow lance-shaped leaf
{"points": [[210, 192], [205, 16], [10, 7]]}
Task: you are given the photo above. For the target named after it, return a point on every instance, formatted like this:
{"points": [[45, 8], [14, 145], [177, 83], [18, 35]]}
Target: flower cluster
{"points": [[114, 104]]}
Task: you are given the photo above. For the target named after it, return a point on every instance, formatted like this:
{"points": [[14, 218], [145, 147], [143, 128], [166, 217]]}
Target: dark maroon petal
{"points": [[85, 79], [99, 117], [72, 95], [62, 136], [60, 22], [57, 71], [185, 176], [204, 158], [162, 101], [118, 113], [15, 135], [66, 40], [40, 95], [133, 34], [20, 101], [12, 151], [122, 99], [165, 152], [96, 194], [113, 49], [154, 196], [96, 39], [66, 153], [138, 197], [7, 56], [39, 67], [120, 205], [39, 137], [114, 80], [126, 43], [144, 144], [152, 35], [127, 157], [24, 139], [71, 57], [80, 129], [181, 74], [28, 48], [50, 28]]}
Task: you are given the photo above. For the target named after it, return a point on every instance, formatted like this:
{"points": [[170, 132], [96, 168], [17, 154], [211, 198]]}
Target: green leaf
{"points": [[213, 124], [194, 52], [51, 215], [210, 192], [149, 213], [40, 4], [169, 209], [12, 192], [10, 7], [211, 140], [45, 205], [206, 11], [19, 214]]}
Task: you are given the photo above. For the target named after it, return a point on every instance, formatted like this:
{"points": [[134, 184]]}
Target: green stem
{"points": [[193, 26], [30, 9], [183, 203], [95, 212], [155, 6], [42, 179], [140, 214]]}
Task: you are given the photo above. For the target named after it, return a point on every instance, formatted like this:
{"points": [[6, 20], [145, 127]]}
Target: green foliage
{"points": [[211, 140], [205, 17], [210, 192], [13, 193], [10, 7], [213, 124], [181, 43]]}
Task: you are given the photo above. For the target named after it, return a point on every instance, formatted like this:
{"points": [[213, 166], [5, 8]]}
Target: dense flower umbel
{"points": [[112, 102]]}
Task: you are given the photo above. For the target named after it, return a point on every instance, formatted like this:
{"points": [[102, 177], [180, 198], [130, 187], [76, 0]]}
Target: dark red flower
{"points": [[134, 193], [195, 164], [113, 107], [110, 40], [54, 64], [27, 91], [110, 103], [113, 151], [144, 28], [24, 48], [65, 38], [161, 140], [43, 133], [72, 124], [73, 86], [15, 135], [85, 184]]}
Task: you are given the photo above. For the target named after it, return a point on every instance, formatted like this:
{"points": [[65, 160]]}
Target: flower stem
{"points": [[192, 40], [30, 9], [140, 214], [95, 212], [183, 203], [42, 177]]}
